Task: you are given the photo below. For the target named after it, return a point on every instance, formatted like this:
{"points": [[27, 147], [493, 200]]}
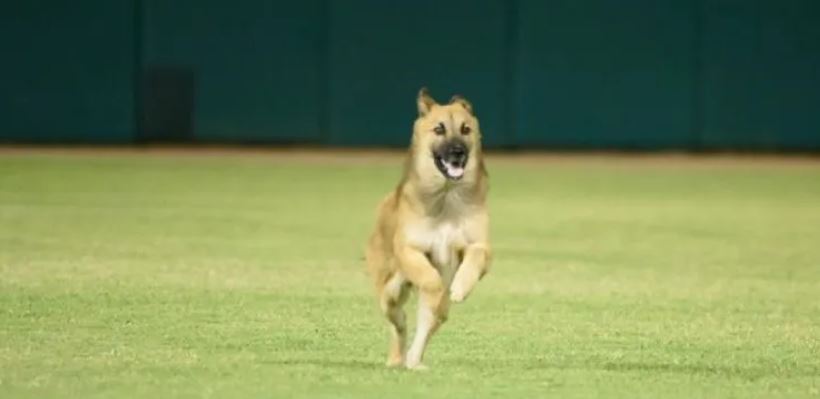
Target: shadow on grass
{"points": [[747, 373], [750, 373], [341, 364]]}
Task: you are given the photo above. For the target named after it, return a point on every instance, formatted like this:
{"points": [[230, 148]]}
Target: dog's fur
{"points": [[432, 231]]}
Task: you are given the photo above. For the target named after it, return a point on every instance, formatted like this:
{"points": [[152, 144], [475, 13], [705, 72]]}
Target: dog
{"points": [[432, 232]]}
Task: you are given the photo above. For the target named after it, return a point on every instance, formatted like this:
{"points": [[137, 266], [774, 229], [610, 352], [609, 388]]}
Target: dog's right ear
{"points": [[424, 101]]}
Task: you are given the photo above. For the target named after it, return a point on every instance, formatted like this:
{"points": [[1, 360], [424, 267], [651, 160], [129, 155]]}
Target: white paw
{"points": [[457, 293], [413, 362], [417, 367]]}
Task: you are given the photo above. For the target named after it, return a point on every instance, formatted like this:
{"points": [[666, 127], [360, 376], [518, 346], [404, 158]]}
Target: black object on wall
{"points": [[167, 105]]}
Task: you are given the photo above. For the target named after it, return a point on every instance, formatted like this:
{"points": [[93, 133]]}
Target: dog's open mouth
{"points": [[451, 169]]}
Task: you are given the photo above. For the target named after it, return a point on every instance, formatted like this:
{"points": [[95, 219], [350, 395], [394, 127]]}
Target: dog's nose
{"points": [[457, 151], [457, 154]]}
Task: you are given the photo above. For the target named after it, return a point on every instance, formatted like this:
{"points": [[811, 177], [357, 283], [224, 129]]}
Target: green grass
{"points": [[232, 276]]}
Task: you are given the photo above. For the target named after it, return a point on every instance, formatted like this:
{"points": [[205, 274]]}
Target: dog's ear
{"points": [[424, 101], [457, 99]]}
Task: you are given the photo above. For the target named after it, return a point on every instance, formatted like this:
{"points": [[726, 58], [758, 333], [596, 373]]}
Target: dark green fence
{"points": [[673, 74], [67, 71]]}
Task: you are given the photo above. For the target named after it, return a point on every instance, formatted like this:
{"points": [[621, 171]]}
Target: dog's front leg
{"points": [[475, 265], [433, 301]]}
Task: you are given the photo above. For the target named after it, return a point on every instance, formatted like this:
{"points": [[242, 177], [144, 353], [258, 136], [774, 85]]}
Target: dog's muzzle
{"points": [[451, 158]]}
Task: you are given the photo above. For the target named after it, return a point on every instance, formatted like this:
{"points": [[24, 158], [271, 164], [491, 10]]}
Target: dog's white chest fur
{"points": [[441, 240], [444, 233]]}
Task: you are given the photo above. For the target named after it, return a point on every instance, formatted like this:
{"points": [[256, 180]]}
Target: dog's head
{"points": [[446, 137]]}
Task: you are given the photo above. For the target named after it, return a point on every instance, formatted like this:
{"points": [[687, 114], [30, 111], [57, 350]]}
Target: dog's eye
{"points": [[465, 129], [440, 130]]}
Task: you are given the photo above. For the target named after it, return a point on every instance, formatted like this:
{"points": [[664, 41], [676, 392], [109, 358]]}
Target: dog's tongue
{"points": [[454, 171]]}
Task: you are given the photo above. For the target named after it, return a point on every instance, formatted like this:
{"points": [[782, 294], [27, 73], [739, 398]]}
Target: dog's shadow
{"points": [[353, 364]]}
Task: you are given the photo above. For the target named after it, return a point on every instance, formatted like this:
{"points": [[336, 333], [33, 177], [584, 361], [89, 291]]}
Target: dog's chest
{"points": [[441, 240]]}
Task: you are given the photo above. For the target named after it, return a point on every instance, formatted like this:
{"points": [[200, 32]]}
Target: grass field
{"points": [[240, 275]]}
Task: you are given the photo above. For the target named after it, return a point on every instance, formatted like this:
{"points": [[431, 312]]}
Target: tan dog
{"points": [[432, 231]]}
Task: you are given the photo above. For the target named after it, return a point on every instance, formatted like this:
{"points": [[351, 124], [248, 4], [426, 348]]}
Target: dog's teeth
{"points": [[454, 171]]}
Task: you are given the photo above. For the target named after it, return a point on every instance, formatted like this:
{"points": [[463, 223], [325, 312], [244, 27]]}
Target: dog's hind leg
{"points": [[392, 298]]}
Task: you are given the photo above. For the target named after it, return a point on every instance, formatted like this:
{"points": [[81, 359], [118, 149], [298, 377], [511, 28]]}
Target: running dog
{"points": [[432, 230]]}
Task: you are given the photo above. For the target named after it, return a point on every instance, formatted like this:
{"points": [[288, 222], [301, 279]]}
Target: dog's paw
{"points": [[413, 362], [457, 293], [417, 367], [457, 297]]}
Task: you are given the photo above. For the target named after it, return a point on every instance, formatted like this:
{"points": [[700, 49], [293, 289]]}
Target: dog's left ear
{"points": [[457, 99]]}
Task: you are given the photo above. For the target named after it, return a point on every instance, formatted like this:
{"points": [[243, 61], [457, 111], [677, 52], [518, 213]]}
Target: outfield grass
{"points": [[241, 276]]}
